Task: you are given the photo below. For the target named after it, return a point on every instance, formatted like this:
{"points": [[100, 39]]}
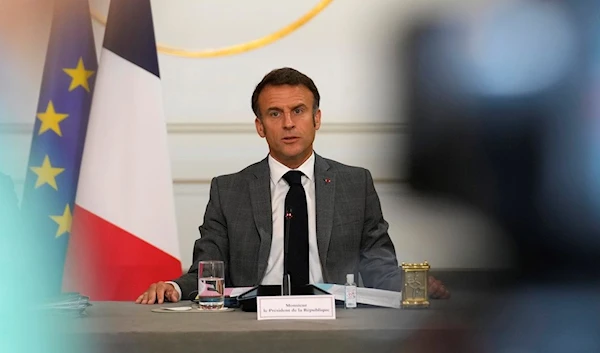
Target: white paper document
{"points": [[236, 291], [369, 296]]}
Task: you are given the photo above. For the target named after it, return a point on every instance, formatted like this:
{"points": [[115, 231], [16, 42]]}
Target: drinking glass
{"points": [[211, 285]]}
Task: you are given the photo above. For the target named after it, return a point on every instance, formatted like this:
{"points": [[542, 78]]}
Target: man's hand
{"points": [[437, 290], [158, 292]]}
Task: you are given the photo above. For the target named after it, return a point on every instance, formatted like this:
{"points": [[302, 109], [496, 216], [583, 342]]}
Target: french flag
{"points": [[124, 233]]}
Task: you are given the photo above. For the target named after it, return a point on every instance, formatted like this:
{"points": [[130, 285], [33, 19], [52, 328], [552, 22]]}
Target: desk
{"points": [[129, 327]]}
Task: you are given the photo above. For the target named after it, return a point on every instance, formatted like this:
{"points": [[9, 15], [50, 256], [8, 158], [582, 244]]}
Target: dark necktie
{"points": [[295, 201]]}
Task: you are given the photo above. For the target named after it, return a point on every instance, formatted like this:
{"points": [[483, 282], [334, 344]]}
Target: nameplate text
{"points": [[296, 307]]}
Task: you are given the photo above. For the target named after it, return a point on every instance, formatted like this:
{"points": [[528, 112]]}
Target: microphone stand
{"points": [[286, 286]]}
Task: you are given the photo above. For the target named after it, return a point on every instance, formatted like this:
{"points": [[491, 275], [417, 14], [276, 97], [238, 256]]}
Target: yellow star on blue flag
{"points": [[58, 137]]}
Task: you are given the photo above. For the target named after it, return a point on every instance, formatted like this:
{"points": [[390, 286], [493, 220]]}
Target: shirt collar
{"points": [[278, 170]]}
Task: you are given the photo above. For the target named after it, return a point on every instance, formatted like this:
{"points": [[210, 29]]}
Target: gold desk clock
{"points": [[414, 285]]}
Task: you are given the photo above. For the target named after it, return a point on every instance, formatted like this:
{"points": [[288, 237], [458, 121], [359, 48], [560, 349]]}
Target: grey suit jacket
{"points": [[351, 232]]}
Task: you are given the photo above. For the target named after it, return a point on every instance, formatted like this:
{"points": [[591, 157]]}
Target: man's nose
{"points": [[288, 123]]}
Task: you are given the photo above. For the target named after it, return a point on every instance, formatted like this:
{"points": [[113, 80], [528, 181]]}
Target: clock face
{"points": [[416, 284]]}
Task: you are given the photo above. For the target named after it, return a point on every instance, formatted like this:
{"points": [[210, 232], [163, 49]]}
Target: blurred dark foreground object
{"points": [[504, 114], [504, 109]]}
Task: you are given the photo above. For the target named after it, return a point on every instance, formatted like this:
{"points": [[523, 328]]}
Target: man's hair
{"points": [[285, 76]]}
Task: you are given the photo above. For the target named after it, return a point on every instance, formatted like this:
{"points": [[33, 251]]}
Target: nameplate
{"points": [[296, 307]]}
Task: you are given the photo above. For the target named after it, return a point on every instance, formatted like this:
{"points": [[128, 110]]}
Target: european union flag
{"points": [[58, 138]]}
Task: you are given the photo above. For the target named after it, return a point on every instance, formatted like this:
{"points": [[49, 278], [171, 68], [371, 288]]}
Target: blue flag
{"points": [[58, 138]]}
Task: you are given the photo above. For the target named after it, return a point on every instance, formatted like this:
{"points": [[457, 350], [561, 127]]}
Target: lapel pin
{"points": [[327, 180]]}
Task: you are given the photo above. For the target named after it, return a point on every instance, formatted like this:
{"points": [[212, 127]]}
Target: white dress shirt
{"points": [[279, 189]]}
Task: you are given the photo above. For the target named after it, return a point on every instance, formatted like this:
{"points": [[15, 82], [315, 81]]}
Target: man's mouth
{"points": [[290, 139]]}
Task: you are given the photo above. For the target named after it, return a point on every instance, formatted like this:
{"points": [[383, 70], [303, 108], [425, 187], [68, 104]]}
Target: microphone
{"points": [[286, 286], [247, 300]]}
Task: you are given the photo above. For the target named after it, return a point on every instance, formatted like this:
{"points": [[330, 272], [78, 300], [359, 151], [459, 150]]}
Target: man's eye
{"points": [[298, 110], [274, 114]]}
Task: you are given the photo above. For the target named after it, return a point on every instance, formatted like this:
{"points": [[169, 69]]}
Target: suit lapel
{"points": [[260, 195], [325, 193]]}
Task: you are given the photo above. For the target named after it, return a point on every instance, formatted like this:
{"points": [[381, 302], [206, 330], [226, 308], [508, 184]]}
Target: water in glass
{"points": [[211, 285], [212, 293]]}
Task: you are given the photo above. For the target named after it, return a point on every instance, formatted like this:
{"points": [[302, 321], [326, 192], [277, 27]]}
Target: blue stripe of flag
{"points": [[71, 40], [130, 33]]}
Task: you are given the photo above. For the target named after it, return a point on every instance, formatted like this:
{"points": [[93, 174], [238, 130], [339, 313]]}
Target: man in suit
{"points": [[337, 224]]}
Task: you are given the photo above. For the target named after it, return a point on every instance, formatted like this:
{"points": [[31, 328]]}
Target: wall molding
{"points": [[194, 181], [245, 128]]}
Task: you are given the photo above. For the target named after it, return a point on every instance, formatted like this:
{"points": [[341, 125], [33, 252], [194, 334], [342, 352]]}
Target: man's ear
{"points": [[317, 119], [260, 129]]}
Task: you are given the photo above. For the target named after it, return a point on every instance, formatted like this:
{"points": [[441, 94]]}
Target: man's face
{"points": [[287, 122]]}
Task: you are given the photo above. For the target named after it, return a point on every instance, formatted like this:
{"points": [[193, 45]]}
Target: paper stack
{"points": [[70, 304], [368, 296]]}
